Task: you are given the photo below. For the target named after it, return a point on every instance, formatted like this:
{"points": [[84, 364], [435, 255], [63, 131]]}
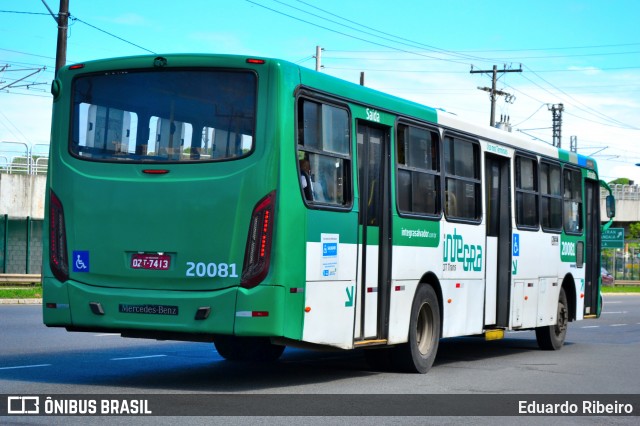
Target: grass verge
{"points": [[621, 289], [32, 292]]}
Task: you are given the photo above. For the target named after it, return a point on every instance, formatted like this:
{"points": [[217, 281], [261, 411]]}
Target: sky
{"points": [[584, 54]]}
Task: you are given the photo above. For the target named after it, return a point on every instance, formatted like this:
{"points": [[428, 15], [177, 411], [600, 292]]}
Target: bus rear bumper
{"points": [[77, 306], [260, 311]]}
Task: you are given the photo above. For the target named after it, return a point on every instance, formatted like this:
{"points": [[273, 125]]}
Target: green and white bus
{"points": [[256, 204]]}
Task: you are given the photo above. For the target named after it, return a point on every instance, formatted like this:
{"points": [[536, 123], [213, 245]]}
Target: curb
{"points": [[20, 301]]}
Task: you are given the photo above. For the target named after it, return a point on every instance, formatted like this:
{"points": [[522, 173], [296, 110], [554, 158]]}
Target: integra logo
{"points": [[456, 251]]}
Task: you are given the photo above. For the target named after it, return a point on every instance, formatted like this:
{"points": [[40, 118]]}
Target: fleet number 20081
{"points": [[201, 269]]}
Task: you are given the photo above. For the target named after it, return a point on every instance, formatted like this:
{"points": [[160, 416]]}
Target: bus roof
{"points": [[348, 91]]}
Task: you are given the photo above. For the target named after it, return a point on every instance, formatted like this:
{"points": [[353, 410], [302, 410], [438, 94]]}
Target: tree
{"points": [[620, 181]]}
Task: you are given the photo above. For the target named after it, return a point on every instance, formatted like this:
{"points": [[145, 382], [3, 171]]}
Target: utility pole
{"points": [[361, 78], [493, 92], [573, 143], [556, 114], [62, 19], [318, 58]]}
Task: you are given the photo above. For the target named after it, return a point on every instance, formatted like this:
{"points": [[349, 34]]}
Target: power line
{"points": [[74, 18], [14, 127], [9, 92], [24, 13], [566, 112], [517, 50], [343, 33], [403, 50], [26, 53], [527, 119], [377, 31], [303, 60], [395, 70], [511, 58], [457, 72], [588, 108], [12, 84]]}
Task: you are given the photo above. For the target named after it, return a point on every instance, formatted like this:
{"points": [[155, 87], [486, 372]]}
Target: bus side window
{"points": [[418, 162], [526, 192], [305, 179], [324, 153], [572, 201], [451, 204], [462, 179], [550, 197]]}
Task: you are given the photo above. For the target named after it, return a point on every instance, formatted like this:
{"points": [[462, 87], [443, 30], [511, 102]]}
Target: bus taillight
{"points": [[258, 250], [58, 257]]}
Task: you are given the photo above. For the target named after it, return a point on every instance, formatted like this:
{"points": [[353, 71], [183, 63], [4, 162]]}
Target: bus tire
{"points": [[551, 337], [418, 354], [256, 349]]}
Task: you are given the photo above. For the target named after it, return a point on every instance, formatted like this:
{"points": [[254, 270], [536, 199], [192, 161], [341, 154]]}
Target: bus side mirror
{"points": [[611, 206]]}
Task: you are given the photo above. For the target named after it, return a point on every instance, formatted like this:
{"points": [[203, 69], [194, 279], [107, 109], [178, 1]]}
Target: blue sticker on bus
{"points": [[80, 261], [329, 249], [516, 244]]}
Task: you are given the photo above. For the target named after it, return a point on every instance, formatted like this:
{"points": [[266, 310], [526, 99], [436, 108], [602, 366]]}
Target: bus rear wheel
{"points": [[551, 338], [256, 349], [418, 354]]}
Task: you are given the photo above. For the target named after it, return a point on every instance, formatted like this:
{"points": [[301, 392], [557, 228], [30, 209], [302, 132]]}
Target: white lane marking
{"points": [[137, 357], [612, 302], [617, 325], [106, 334], [591, 326], [616, 312], [25, 366]]}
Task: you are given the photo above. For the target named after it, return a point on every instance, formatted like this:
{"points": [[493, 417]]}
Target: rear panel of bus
{"points": [[161, 197]]}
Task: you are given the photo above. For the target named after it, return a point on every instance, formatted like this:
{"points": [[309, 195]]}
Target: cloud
{"points": [[131, 19], [586, 70]]}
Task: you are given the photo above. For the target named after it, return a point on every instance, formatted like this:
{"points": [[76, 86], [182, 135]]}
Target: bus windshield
{"points": [[164, 116]]}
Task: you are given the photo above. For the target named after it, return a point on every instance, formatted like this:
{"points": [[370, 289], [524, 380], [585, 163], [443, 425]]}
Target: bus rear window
{"points": [[164, 116]]}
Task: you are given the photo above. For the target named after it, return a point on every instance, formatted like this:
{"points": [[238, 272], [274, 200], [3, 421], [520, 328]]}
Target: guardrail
{"points": [[623, 192], [20, 158], [19, 279], [624, 283]]}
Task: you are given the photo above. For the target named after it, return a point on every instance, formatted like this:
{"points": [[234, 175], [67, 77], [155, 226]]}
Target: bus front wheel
{"points": [[257, 349], [552, 337], [418, 354]]}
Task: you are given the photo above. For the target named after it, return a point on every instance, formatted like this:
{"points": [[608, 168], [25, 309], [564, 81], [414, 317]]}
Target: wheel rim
{"points": [[561, 324], [424, 329]]}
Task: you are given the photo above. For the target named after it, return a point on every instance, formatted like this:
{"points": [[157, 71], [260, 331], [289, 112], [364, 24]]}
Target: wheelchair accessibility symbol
{"points": [[80, 261], [516, 244]]}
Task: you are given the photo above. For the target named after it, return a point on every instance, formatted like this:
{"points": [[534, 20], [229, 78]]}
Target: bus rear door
{"points": [[374, 260]]}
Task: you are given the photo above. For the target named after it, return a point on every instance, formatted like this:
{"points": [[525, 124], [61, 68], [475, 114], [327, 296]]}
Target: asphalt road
{"points": [[599, 357]]}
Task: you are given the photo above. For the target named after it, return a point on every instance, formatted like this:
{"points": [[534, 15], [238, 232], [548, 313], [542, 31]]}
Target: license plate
{"points": [[151, 261]]}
